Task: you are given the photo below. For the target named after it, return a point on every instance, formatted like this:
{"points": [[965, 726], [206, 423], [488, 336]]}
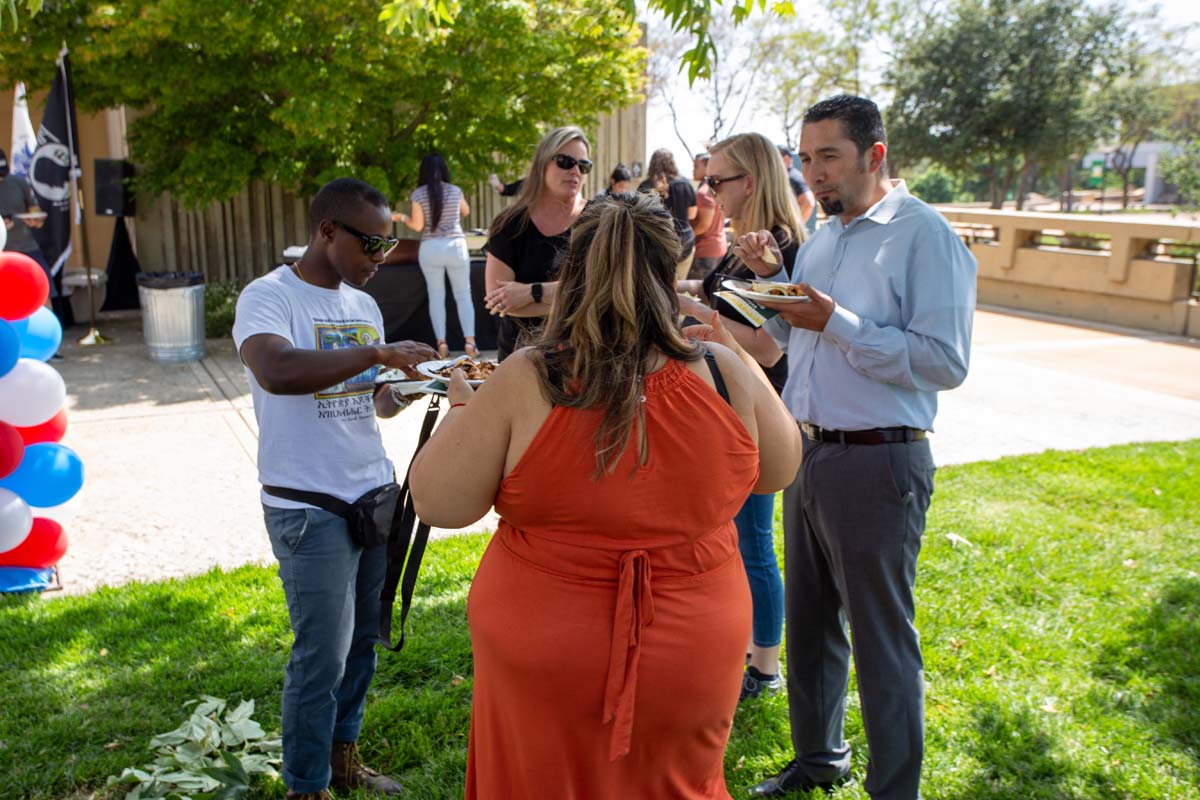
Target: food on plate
{"points": [[473, 370], [777, 289]]}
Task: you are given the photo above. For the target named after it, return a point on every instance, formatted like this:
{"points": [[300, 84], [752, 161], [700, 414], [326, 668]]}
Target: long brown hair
{"points": [[615, 311], [533, 185], [772, 205]]}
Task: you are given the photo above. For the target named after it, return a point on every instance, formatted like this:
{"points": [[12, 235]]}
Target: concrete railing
{"points": [[1124, 272]]}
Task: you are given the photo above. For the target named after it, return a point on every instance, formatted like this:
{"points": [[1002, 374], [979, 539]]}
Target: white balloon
{"points": [[16, 520], [3, 236], [31, 393], [61, 513]]}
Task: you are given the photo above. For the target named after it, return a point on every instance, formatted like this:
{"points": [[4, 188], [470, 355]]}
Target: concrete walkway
{"points": [[169, 450]]}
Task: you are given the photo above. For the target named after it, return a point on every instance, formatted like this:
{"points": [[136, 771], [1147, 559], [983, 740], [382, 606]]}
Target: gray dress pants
{"points": [[852, 523]]}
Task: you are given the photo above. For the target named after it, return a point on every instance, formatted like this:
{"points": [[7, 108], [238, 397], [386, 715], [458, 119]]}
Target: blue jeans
{"points": [[332, 589], [755, 526]]}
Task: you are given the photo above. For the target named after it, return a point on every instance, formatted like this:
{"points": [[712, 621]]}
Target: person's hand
{"points": [[404, 355], [495, 182], [759, 252], [693, 307], [813, 315], [9, 222], [714, 331], [507, 296], [459, 391]]}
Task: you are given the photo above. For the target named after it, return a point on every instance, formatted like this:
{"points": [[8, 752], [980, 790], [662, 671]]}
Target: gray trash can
{"points": [[172, 315]]}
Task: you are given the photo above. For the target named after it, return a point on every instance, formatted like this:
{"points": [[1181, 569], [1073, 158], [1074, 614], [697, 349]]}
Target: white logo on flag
{"points": [[24, 141]]}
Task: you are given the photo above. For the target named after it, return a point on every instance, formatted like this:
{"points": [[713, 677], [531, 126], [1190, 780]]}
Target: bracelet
{"points": [[456, 405]]}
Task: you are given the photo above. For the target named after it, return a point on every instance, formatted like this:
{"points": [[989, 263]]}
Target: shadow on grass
{"points": [[87, 681], [1020, 763], [1155, 672]]}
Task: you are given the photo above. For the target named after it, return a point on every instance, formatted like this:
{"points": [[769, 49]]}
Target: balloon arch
{"points": [[39, 477]]}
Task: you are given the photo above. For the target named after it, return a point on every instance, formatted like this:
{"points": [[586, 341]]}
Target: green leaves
{"points": [[223, 92], [213, 755]]}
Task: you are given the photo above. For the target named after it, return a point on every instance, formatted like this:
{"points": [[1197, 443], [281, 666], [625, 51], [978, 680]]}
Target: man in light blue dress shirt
{"points": [[892, 293]]}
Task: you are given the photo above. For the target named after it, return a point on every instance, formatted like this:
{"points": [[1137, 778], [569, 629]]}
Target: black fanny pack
{"points": [[369, 518]]}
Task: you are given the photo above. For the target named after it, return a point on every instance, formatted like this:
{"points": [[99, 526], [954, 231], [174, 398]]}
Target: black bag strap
{"points": [[398, 545], [718, 378], [326, 502]]}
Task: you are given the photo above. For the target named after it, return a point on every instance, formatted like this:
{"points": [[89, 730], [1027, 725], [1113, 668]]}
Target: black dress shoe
{"points": [[792, 778]]}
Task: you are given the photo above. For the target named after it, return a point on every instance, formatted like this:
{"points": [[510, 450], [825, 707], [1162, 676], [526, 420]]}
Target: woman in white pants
{"points": [[438, 208]]}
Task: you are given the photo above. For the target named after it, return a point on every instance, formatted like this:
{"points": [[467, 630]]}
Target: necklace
{"points": [[299, 274]]}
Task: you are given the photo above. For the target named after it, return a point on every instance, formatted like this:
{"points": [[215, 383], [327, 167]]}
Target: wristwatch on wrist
{"points": [[536, 291]]}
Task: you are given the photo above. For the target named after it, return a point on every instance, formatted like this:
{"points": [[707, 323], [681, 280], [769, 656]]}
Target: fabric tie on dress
{"points": [[634, 611]]}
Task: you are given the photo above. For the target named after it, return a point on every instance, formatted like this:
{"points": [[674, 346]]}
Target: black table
{"points": [[399, 289]]}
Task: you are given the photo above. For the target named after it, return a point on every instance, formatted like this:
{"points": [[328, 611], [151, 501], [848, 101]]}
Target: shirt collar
{"points": [[886, 209]]}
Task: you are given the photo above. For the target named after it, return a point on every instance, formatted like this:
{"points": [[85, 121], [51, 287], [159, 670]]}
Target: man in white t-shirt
{"points": [[312, 344]]}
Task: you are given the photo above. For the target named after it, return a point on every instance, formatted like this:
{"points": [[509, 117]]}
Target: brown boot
{"points": [[350, 773], [321, 795]]}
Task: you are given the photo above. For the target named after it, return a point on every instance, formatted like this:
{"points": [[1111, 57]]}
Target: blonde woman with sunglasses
{"points": [[526, 238]]}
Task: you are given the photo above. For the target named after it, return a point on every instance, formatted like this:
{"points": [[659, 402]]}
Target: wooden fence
{"points": [[244, 237]]}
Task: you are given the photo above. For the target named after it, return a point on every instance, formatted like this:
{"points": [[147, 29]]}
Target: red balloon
{"points": [[12, 449], [52, 430], [42, 548], [24, 286]]}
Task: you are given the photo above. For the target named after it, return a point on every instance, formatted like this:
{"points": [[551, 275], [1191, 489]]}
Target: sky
{"points": [[694, 118]]}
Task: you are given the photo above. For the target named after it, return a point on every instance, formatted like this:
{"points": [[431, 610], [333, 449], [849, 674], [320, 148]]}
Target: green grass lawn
{"points": [[1062, 650]]}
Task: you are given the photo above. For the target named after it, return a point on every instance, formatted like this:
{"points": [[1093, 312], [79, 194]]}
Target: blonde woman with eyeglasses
{"points": [[609, 614], [525, 238]]}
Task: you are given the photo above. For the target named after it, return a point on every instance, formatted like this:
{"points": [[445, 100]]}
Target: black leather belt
{"points": [[872, 436]]}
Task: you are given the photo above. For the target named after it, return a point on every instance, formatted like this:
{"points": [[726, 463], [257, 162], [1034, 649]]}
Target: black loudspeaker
{"points": [[113, 196]]}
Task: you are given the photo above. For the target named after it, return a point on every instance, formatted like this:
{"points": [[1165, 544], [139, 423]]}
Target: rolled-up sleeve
{"points": [[932, 350]]}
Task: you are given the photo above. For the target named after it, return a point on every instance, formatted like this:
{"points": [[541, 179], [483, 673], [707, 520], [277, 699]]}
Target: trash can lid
{"points": [[169, 280]]}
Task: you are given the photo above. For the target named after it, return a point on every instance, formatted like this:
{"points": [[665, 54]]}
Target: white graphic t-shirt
{"points": [[327, 441]]}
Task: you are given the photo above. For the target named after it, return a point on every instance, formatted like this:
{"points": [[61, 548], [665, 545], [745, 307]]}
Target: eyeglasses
{"points": [[371, 244], [713, 183], [566, 163]]}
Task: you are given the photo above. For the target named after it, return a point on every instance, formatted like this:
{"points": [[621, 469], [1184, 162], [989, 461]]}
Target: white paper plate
{"points": [[430, 369], [742, 289]]}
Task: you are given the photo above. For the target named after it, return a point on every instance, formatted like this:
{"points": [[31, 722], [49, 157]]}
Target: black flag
{"points": [[54, 171]]}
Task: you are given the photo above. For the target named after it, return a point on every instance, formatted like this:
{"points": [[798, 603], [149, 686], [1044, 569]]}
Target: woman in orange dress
{"points": [[610, 612]]}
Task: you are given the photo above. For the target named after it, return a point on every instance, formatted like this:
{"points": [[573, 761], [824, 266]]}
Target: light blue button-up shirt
{"points": [[905, 290]]}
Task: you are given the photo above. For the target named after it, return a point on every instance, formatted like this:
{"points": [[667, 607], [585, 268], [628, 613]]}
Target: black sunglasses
{"points": [[371, 244], [713, 183], [566, 162]]}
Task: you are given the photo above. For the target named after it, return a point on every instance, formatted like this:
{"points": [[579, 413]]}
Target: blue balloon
{"points": [[42, 336], [10, 347], [48, 475]]}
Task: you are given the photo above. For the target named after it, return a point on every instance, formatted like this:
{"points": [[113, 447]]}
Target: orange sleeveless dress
{"points": [[609, 618]]}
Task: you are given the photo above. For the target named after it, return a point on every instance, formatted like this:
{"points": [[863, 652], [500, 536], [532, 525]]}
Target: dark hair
{"points": [[341, 197], [705, 157], [620, 173], [432, 175], [662, 163], [784, 150], [859, 117]]}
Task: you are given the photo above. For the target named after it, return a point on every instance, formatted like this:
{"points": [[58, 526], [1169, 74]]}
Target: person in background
{"points": [[526, 238], [708, 225], [619, 182], [804, 195], [438, 208], [505, 189], [609, 614], [662, 177], [20, 211], [892, 291], [312, 342], [748, 180]]}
